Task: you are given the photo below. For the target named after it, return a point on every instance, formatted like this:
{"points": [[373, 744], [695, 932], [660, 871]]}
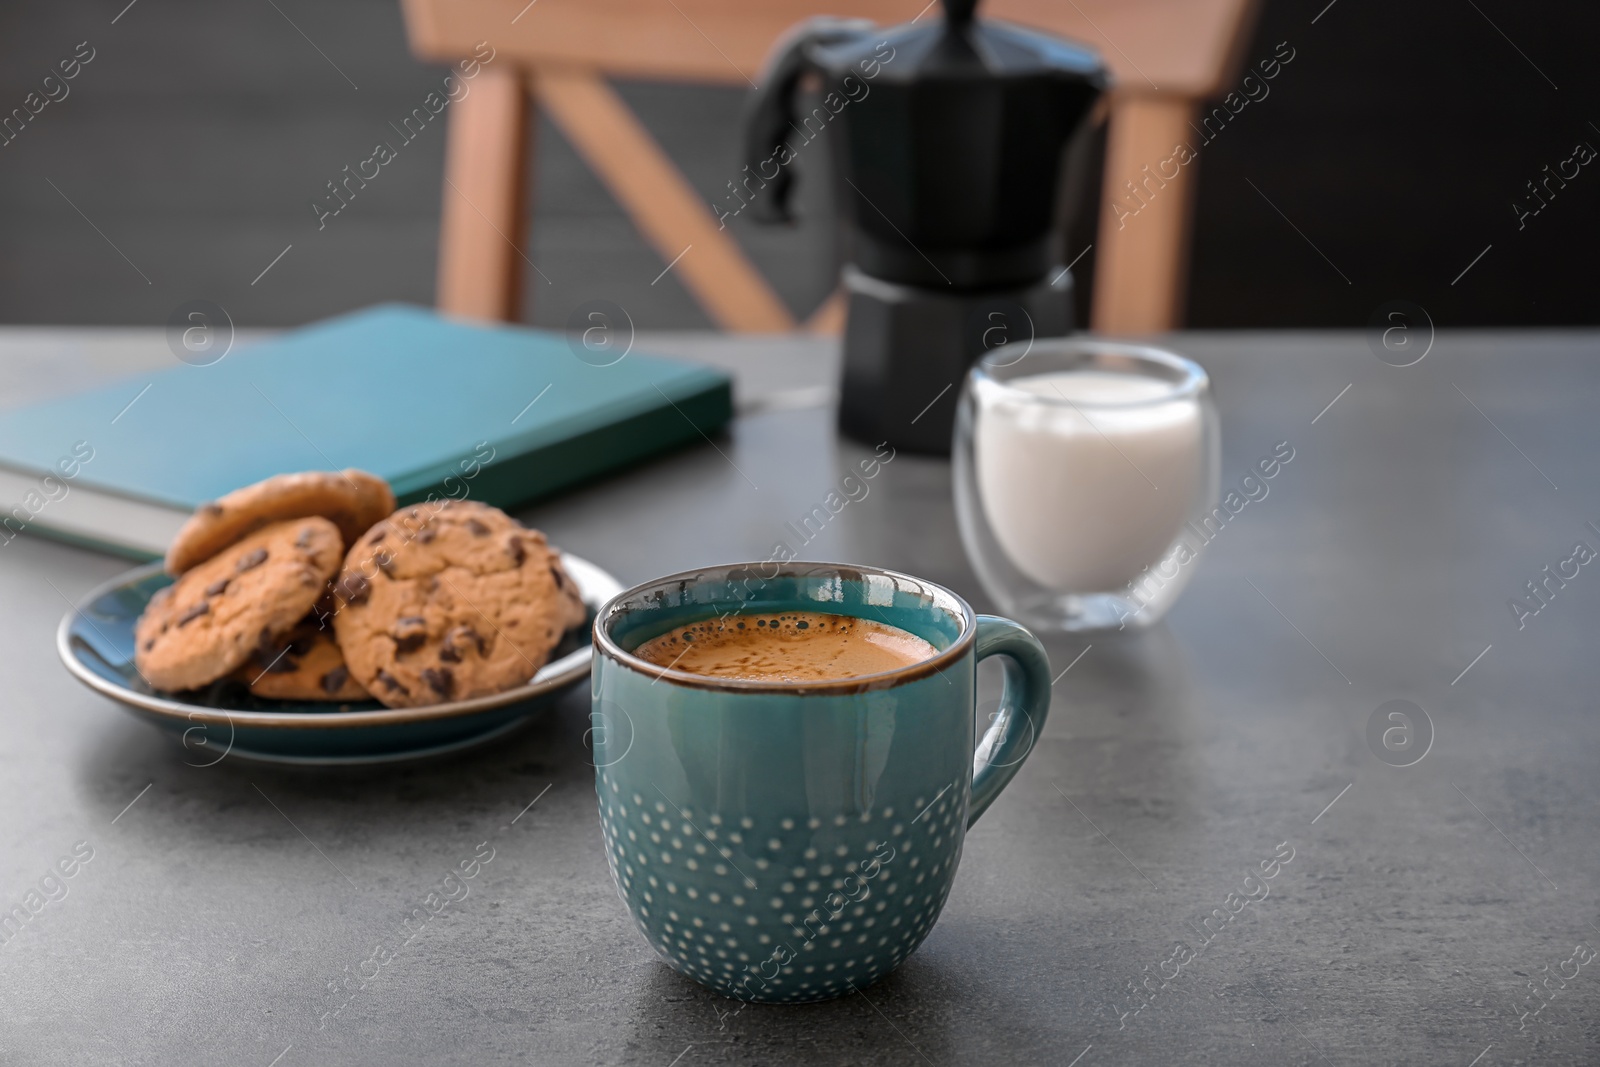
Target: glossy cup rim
{"points": [[605, 645], [1193, 380]]}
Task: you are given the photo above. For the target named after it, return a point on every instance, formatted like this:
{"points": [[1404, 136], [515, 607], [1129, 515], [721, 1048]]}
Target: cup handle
{"points": [[1024, 703]]}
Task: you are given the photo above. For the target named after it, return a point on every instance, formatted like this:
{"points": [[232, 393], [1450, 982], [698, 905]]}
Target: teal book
{"points": [[500, 414]]}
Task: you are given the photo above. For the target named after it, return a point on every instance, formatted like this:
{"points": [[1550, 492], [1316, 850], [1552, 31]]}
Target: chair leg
{"points": [[665, 208], [1143, 250], [483, 228], [828, 319]]}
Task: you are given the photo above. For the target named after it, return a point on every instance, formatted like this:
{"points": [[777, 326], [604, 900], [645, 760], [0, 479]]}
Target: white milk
{"points": [[1082, 497]]}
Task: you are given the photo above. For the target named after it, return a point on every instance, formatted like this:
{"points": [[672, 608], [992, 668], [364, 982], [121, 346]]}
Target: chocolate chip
{"points": [[457, 642], [555, 572], [218, 587], [272, 653], [385, 562], [391, 683], [334, 680], [193, 613], [304, 540], [251, 560], [376, 536], [352, 588], [211, 509], [439, 679], [148, 645], [426, 535], [478, 529], [519, 553], [409, 633]]}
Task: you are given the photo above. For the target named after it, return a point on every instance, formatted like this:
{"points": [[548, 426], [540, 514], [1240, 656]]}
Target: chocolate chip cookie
{"points": [[353, 500], [211, 619], [304, 664], [450, 601]]}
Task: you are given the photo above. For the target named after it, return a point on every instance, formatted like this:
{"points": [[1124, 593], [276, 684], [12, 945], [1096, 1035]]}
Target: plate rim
{"points": [[595, 584], [256, 755]]}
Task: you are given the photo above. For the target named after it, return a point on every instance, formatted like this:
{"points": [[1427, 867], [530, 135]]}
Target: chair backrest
{"points": [[1183, 47]]}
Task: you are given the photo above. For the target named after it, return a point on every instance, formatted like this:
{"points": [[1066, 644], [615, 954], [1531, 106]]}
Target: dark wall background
{"points": [[1397, 140], [185, 155]]}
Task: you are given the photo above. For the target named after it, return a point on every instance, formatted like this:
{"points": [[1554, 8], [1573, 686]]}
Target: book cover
{"points": [[500, 414]]}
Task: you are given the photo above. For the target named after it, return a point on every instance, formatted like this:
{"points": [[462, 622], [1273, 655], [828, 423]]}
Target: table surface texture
{"points": [[224, 905]]}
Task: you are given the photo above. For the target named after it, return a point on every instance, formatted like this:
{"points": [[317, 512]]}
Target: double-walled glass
{"points": [[1085, 472]]}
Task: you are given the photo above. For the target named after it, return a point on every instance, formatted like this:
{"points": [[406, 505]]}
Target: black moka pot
{"points": [[948, 138]]}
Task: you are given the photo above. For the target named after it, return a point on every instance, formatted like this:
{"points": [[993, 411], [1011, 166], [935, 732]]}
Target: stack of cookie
{"points": [[312, 587]]}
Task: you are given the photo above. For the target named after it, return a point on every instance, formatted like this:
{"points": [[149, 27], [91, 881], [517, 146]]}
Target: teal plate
{"points": [[95, 642]]}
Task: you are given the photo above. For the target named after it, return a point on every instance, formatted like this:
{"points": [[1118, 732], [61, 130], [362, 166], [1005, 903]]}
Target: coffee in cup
{"points": [[798, 646], [786, 839]]}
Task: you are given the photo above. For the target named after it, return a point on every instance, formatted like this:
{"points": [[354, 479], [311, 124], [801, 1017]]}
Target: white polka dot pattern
{"points": [[795, 908]]}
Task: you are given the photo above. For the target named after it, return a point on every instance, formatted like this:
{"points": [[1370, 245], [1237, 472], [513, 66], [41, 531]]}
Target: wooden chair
{"points": [[1167, 57]]}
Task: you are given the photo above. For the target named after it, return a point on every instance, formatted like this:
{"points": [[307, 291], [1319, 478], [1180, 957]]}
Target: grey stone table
{"points": [[1437, 913]]}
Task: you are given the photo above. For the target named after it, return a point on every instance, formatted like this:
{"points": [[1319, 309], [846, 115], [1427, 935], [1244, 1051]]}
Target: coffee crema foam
{"points": [[801, 646]]}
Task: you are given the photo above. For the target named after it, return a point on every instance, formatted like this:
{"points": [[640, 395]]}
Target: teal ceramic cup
{"points": [[784, 842]]}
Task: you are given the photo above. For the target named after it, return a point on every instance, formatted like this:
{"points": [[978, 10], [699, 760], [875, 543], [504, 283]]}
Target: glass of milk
{"points": [[1079, 469]]}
